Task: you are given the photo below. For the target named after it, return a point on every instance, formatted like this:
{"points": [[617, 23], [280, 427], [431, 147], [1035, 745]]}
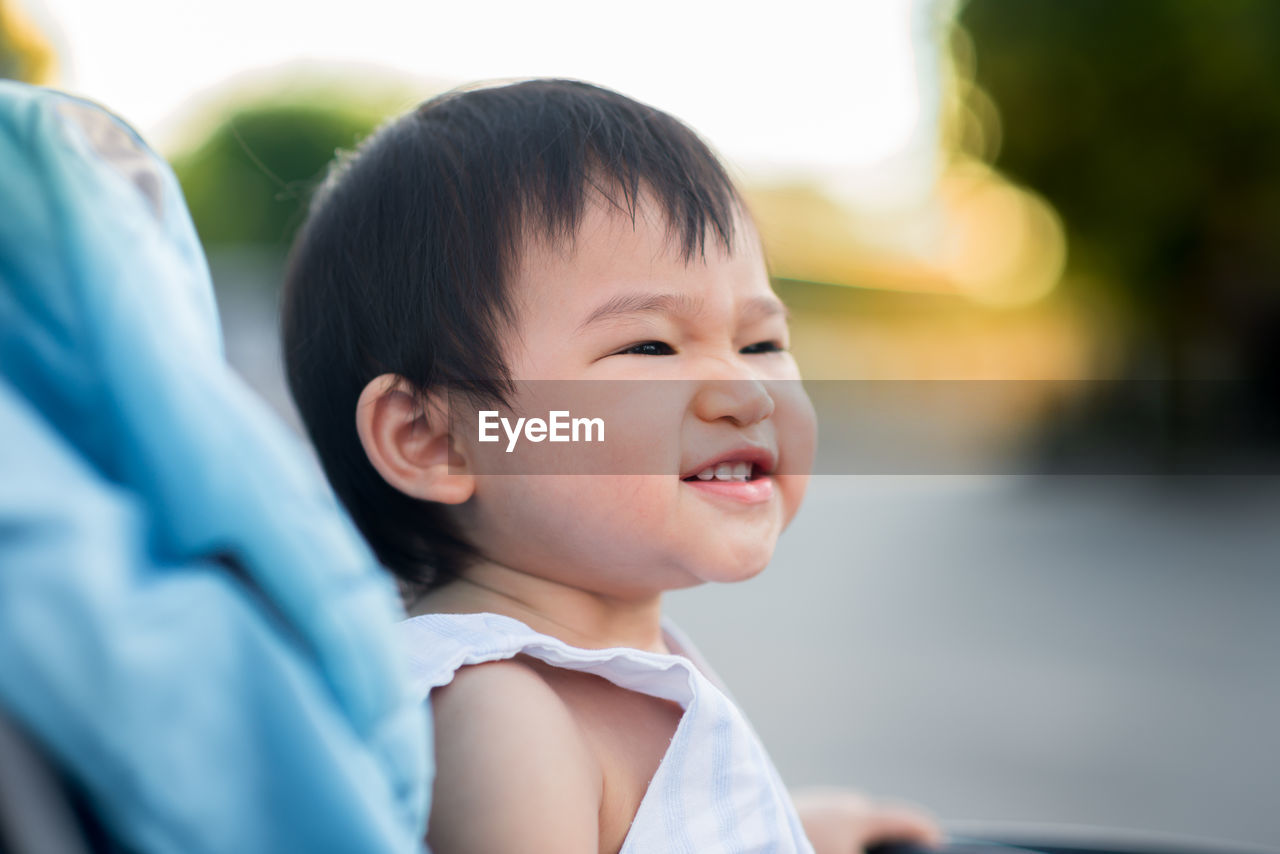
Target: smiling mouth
{"points": [[729, 472]]}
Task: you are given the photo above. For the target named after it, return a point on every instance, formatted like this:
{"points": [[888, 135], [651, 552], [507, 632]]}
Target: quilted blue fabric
{"points": [[189, 623]]}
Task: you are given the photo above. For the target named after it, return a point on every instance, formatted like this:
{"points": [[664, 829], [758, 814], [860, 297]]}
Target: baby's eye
{"points": [[764, 347], [648, 348]]}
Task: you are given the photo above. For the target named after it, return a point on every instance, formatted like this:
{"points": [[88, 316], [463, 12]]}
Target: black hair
{"points": [[402, 264]]}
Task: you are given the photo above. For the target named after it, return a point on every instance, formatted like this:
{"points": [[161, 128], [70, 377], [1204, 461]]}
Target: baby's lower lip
{"points": [[747, 491]]}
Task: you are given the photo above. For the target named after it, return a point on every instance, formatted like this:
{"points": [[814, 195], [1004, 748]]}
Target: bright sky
{"points": [[798, 86]]}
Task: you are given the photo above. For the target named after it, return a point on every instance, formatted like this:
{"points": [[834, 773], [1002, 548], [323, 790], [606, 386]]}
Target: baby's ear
{"points": [[409, 444]]}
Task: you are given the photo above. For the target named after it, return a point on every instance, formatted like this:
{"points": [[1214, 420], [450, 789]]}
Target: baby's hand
{"points": [[842, 821]]}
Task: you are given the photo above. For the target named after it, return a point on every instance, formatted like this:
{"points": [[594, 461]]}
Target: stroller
{"points": [[196, 645]]}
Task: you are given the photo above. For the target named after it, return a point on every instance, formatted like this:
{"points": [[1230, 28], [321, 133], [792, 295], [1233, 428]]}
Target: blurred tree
{"points": [[25, 54], [1152, 127], [247, 183]]}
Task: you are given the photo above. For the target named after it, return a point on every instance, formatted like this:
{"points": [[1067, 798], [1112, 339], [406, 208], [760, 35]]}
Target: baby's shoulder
{"points": [[508, 746], [510, 709], [492, 680]]}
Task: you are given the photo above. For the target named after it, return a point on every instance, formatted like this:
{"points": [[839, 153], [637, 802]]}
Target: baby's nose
{"points": [[745, 401]]}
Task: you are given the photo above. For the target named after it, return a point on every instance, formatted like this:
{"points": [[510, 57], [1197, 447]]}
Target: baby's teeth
{"points": [[728, 471]]}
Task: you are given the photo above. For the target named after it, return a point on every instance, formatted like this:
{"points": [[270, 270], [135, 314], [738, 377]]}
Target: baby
{"points": [[499, 251]]}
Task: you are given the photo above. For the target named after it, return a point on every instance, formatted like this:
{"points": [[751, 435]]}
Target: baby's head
{"points": [[546, 230]]}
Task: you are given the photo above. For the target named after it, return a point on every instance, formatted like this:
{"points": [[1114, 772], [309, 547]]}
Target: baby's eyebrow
{"points": [[756, 308]]}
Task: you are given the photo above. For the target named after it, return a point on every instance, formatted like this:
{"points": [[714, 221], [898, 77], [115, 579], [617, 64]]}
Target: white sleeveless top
{"points": [[715, 791]]}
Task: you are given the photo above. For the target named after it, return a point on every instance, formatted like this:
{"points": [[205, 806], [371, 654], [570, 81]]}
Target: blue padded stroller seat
{"points": [[190, 627]]}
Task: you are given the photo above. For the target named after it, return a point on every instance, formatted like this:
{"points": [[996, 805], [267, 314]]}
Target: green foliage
{"points": [[248, 183], [1152, 126]]}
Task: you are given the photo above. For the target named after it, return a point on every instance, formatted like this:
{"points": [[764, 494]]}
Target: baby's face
{"points": [[709, 341]]}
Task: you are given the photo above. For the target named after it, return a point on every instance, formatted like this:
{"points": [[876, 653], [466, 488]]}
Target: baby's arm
{"points": [[842, 821], [513, 772]]}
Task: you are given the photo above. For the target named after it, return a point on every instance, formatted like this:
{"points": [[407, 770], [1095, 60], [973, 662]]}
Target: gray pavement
{"points": [[1100, 651]]}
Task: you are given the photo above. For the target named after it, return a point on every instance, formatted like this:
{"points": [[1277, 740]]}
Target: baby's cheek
{"points": [[610, 505], [797, 442], [797, 427]]}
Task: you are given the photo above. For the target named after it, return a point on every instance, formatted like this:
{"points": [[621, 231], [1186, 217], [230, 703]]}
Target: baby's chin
{"points": [[696, 570], [737, 567]]}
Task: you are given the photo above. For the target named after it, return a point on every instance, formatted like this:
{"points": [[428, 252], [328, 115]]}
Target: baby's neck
{"points": [[579, 617]]}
